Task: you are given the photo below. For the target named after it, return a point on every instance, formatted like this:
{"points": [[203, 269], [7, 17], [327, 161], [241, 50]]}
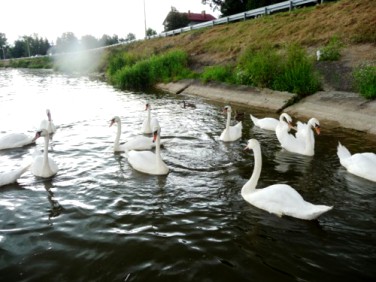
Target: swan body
{"points": [[279, 199], [13, 175], [146, 125], [43, 165], [149, 162], [267, 123], [136, 143], [48, 124], [304, 141], [15, 140], [231, 133], [360, 164]]}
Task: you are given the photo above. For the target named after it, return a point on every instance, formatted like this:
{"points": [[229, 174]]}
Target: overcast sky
{"points": [[50, 19]]}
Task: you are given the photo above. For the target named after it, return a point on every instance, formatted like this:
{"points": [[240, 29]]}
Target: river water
{"points": [[100, 220]]}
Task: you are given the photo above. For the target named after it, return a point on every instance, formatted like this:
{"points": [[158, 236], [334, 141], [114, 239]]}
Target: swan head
{"points": [[315, 125], [252, 143], [113, 120], [227, 109], [40, 133], [147, 106], [48, 114], [156, 129]]}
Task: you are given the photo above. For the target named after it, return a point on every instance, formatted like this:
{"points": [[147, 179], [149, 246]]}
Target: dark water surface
{"points": [[99, 220]]}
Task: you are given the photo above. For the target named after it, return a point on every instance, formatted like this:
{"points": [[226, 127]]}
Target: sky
{"points": [[50, 19]]}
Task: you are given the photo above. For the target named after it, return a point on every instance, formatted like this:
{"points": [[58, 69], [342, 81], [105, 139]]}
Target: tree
{"points": [[130, 37], [3, 44], [68, 42], [175, 20], [150, 32], [230, 7], [89, 42]]}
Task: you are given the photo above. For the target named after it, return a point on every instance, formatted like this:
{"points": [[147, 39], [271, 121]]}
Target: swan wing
{"points": [[282, 199], [233, 133], [12, 176], [362, 165], [15, 140], [267, 123], [139, 143], [144, 161]]}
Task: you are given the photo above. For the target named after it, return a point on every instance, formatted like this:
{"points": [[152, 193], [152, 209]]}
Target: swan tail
{"points": [[342, 152], [254, 120], [319, 210]]}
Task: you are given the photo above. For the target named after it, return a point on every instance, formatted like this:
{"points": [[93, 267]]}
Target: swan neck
{"points": [[250, 186], [45, 153], [228, 120], [118, 133]]}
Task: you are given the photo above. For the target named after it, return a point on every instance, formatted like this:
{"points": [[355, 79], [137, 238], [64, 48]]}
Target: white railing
{"points": [[287, 5]]}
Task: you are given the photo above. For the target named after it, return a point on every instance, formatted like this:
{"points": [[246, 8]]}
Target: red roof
{"points": [[201, 17]]}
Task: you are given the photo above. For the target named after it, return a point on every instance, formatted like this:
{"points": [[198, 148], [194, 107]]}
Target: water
{"points": [[99, 220]]}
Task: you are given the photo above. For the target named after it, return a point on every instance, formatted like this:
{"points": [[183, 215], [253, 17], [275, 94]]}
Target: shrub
{"points": [[145, 73], [365, 80], [332, 51], [218, 73], [297, 74], [258, 68]]}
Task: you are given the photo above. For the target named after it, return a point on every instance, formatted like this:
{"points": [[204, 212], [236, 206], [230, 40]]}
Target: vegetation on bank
{"points": [[31, 63], [276, 51]]}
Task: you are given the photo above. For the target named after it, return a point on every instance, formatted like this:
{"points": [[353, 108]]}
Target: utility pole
{"points": [[145, 19]]}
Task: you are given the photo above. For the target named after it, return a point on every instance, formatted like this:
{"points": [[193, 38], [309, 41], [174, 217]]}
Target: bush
{"points": [[365, 80], [258, 68], [332, 51], [297, 74], [218, 73], [143, 74], [290, 71]]}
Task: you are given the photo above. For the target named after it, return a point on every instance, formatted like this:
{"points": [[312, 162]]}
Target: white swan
{"points": [[13, 175], [267, 123], [283, 126], [360, 164], [43, 165], [279, 199], [48, 124], [231, 133], [304, 141], [15, 140], [146, 125], [135, 143], [147, 161]]}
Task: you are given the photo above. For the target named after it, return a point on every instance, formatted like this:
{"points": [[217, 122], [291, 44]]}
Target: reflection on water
{"points": [[191, 225]]}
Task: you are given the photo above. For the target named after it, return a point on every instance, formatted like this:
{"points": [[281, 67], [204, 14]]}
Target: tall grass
{"points": [[332, 51], [145, 73], [296, 73], [218, 73], [365, 80], [291, 70]]}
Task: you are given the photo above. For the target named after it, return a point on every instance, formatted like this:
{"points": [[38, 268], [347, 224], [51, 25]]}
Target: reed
{"points": [[365, 81]]}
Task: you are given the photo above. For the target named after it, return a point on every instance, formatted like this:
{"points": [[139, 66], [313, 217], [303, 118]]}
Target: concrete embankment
{"points": [[344, 109]]}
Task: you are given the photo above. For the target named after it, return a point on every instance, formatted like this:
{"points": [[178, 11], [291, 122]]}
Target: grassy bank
{"points": [[256, 52]]}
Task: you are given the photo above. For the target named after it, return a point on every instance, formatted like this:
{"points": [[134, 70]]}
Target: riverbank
{"points": [[333, 108]]}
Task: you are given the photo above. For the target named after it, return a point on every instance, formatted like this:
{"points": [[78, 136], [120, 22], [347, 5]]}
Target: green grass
{"points": [[145, 73], [284, 70], [332, 51], [365, 80], [218, 73]]}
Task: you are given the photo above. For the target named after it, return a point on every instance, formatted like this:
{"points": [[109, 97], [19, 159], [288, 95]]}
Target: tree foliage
{"points": [[230, 7], [150, 32], [175, 20]]}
